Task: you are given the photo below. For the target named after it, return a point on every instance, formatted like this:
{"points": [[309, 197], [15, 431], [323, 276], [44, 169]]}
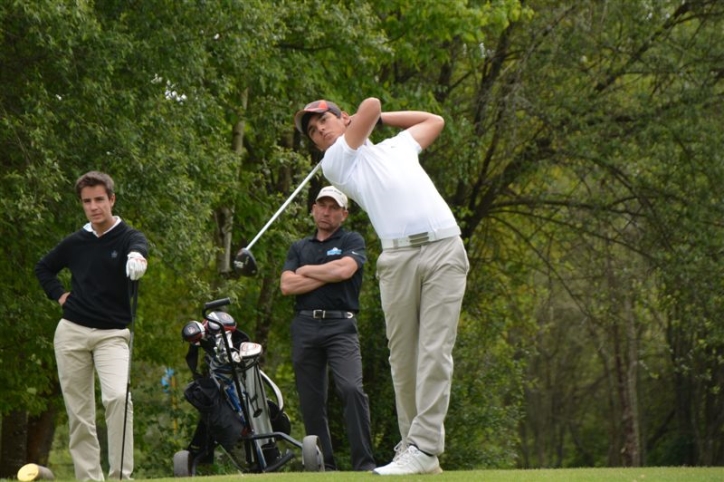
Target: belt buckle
{"points": [[318, 314], [419, 239]]}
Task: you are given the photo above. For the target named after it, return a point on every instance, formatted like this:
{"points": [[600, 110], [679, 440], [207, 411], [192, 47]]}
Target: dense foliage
{"points": [[581, 155]]}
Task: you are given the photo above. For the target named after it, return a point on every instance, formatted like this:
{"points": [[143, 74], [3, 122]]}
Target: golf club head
{"points": [[245, 264]]}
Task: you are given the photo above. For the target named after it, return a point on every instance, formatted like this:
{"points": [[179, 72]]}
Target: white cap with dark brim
{"points": [[334, 193]]}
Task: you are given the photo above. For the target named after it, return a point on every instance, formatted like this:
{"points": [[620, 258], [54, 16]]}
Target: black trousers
{"points": [[319, 345]]}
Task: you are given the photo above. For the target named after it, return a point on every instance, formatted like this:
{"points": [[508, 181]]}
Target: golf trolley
{"points": [[235, 411]]}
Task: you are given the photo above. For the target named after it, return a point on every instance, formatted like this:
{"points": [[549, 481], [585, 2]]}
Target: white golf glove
{"points": [[135, 266]]}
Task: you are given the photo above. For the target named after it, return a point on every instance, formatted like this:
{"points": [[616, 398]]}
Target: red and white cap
{"points": [[301, 119]]}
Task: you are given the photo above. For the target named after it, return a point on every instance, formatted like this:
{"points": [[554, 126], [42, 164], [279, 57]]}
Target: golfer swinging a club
{"points": [[422, 269], [93, 333]]}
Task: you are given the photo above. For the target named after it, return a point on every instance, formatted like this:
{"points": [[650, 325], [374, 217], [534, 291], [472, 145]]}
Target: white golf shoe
{"points": [[411, 461], [400, 449]]}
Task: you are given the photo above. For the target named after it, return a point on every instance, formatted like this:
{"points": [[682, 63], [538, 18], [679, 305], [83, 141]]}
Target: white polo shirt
{"points": [[388, 182]]}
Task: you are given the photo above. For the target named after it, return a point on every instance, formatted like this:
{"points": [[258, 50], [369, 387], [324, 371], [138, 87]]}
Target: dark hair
{"points": [[95, 178], [301, 118], [308, 116]]}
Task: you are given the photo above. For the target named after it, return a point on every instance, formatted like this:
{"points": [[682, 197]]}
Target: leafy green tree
{"points": [[122, 90], [580, 155], [631, 92]]}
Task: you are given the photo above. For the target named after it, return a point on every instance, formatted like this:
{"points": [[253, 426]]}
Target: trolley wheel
{"points": [[182, 463], [311, 454]]}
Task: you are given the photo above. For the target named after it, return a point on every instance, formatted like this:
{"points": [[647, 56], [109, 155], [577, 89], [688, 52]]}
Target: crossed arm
{"points": [[312, 276]]}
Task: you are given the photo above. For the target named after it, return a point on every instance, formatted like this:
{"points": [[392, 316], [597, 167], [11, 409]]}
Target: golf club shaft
{"points": [[134, 305], [286, 203]]}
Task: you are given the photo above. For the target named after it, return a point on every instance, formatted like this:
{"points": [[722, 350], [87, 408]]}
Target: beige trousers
{"points": [[422, 290], [78, 351]]}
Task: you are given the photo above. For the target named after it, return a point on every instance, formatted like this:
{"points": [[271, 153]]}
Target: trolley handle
{"points": [[216, 304]]}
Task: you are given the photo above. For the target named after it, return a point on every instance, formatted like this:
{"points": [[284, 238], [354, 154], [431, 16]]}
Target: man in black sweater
{"points": [[103, 257]]}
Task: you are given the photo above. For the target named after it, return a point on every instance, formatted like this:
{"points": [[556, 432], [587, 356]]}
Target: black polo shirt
{"points": [[342, 296]]}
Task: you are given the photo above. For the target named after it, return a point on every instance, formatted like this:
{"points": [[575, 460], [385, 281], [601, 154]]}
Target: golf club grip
{"points": [[217, 303]]}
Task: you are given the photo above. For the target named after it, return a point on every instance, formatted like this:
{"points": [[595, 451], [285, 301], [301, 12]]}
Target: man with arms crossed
{"points": [[324, 272]]}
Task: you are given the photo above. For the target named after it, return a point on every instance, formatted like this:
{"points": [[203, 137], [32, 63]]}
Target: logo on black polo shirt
{"points": [[114, 254], [334, 252]]}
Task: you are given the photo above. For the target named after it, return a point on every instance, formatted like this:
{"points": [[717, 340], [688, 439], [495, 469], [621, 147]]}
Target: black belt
{"points": [[326, 314]]}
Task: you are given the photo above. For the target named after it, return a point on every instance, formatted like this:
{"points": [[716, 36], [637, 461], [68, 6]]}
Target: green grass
{"points": [[651, 474], [647, 474]]}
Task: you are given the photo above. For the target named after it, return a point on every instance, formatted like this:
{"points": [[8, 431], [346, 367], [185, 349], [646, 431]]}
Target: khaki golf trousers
{"points": [[422, 290], [78, 351]]}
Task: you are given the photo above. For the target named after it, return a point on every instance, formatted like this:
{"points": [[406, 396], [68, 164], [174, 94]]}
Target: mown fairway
{"points": [[648, 474]]}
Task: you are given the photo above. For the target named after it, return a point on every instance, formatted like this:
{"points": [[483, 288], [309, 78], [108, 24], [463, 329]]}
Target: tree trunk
{"points": [[684, 392], [13, 443], [630, 450], [41, 429], [224, 215], [626, 367]]}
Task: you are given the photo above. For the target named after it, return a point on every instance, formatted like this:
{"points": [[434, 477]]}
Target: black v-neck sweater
{"points": [[99, 295]]}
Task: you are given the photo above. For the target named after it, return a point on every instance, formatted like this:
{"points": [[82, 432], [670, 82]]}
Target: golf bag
{"points": [[231, 398]]}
